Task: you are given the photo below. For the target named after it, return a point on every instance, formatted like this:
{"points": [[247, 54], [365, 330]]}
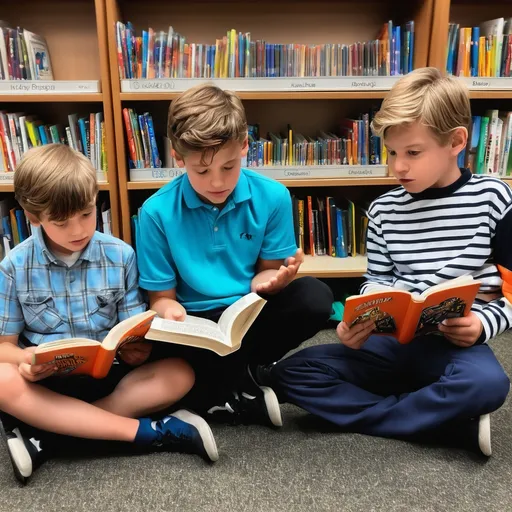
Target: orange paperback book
{"points": [[83, 356], [90, 357], [405, 315]]}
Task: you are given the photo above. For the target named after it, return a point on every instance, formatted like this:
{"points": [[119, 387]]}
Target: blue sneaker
{"points": [[185, 432]]}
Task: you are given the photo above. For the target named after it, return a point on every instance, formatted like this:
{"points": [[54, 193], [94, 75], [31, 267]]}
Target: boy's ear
{"points": [[459, 140], [179, 159], [33, 219], [245, 148]]}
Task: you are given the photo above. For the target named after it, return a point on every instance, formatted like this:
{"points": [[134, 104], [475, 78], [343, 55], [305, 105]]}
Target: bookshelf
{"points": [[76, 34], [308, 104]]}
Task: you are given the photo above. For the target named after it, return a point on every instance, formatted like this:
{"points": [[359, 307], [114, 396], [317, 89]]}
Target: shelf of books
{"points": [[55, 88], [294, 69], [473, 41]]}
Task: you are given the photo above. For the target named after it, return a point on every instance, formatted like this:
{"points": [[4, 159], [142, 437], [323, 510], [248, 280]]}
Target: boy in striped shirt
{"points": [[443, 222]]}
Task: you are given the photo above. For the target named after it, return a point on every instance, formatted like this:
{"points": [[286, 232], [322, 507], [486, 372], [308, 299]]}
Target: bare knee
{"points": [[11, 383], [176, 375]]}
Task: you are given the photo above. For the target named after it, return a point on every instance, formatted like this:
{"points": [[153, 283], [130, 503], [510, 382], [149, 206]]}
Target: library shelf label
{"points": [[276, 84], [49, 86]]}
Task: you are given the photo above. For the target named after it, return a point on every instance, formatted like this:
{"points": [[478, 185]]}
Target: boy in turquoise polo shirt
{"points": [[213, 235]]}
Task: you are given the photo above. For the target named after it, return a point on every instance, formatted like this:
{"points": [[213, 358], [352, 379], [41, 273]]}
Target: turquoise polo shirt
{"points": [[208, 255]]}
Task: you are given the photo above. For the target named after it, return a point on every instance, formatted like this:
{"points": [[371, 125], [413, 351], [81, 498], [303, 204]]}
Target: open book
{"points": [[223, 337], [405, 315], [84, 356]]}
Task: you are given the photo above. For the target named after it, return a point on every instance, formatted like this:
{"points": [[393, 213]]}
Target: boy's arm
{"points": [[12, 321], [12, 324], [496, 315], [276, 267], [380, 265], [9, 350], [154, 259], [157, 274]]}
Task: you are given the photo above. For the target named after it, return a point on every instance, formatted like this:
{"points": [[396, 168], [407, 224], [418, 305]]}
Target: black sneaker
{"points": [[262, 374], [185, 432], [246, 409], [25, 451]]}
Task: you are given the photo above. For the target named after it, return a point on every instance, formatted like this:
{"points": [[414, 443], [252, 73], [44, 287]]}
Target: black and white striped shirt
{"points": [[416, 241]]}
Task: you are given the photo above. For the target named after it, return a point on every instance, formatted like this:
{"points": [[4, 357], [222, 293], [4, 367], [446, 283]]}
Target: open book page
{"points": [[388, 309], [448, 302], [194, 329], [241, 314], [128, 330], [68, 343]]}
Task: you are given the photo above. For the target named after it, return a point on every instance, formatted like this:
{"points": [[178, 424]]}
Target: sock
{"points": [[146, 434]]}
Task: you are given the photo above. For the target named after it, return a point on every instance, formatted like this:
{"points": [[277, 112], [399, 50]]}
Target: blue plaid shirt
{"points": [[44, 300]]}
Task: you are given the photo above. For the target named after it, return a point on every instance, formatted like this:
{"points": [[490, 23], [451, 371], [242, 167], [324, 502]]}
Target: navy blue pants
{"points": [[392, 390]]}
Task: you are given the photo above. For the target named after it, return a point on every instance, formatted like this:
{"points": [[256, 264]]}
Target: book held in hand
{"points": [[84, 356], [405, 315]]}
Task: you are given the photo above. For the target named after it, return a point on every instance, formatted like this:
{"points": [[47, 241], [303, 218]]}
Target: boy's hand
{"points": [[34, 372], [176, 312], [355, 337], [464, 331], [283, 277], [136, 352]]}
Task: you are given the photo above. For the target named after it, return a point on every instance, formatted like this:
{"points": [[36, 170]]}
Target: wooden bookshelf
{"points": [[76, 34], [344, 21]]}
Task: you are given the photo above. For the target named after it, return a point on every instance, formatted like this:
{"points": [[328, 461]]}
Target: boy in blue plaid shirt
{"points": [[69, 281]]}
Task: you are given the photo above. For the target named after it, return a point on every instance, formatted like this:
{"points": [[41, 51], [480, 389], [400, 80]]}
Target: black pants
{"points": [[288, 318]]}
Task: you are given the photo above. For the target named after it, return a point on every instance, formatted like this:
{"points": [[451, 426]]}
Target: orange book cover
{"points": [[405, 315], [90, 357]]}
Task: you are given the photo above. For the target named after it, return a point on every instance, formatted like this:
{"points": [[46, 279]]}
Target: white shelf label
{"points": [[277, 173], [8, 178], [322, 171], [49, 86], [328, 83], [477, 83], [152, 174]]}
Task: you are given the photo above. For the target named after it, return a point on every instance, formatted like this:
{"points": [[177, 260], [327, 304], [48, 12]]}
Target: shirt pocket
{"points": [[40, 313], [103, 308]]}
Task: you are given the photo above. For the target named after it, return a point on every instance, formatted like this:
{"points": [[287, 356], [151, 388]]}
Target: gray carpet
{"points": [[294, 469]]}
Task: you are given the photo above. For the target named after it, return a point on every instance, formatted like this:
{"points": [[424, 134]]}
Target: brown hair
{"points": [[203, 119], [55, 180]]}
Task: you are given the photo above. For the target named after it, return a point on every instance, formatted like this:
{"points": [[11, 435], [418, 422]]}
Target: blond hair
{"points": [[203, 119], [55, 180], [439, 102]]}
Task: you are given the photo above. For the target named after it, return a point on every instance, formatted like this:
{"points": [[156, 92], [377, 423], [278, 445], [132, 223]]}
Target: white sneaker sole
{"points": [[484, 434], [204, 431], [19, 455], [272, 403]]}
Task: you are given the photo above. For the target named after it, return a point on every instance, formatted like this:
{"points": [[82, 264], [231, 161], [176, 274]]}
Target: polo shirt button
{"points": [[214, 209], [216, 228]]}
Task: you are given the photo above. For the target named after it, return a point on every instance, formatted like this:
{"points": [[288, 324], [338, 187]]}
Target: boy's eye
{"points": [[87, 214], [59, 224], [414, 153], [228, 168], [202, 172], [392, 153]]}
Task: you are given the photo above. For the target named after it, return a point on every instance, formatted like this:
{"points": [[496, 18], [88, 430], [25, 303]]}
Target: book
{"points": [[405, 315], [222, 337], [90, 357]]}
